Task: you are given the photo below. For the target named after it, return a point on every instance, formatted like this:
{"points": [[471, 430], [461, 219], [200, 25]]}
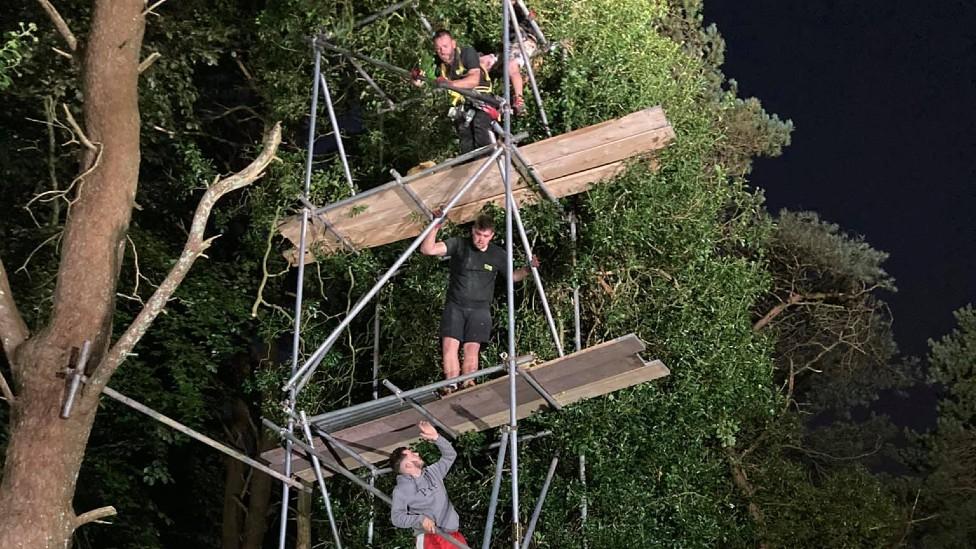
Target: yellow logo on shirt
{"points": [[488, 267]]}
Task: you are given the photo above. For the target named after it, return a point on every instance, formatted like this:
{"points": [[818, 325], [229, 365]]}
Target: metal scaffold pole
{"points": [[509, 203], [335, 131], [299, 293], [528, 67], [321, 480], [577, 339], [301, 377], [495, 486]]}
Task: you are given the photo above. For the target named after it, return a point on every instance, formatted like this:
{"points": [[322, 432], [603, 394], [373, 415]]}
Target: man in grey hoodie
{"points": [[420, 500]]}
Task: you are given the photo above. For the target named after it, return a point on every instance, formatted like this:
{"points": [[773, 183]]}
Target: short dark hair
{"points": [[396, 458], [442, 32], [484, 222]]}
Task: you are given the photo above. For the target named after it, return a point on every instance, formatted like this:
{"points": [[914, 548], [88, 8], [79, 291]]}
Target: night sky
{"points": [[883, 96]]}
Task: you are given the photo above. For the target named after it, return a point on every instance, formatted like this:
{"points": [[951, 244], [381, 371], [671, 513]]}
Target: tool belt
{"points": [[466, 111]]}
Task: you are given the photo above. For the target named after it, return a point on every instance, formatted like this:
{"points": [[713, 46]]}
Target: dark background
{"points": [[883, 96]]}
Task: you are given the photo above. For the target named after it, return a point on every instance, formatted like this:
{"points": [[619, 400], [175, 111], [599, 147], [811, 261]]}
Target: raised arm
{"points": [[432, 246], [448, 454]]}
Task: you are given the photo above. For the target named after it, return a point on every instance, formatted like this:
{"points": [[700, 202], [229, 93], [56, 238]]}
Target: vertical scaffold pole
{"points": [[305, 372], [538, 279], [376, 394], [300, 285], [509, 203], [578, 340], [535, 272]]}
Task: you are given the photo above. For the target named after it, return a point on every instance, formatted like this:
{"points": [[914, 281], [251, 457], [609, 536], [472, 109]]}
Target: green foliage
{"points": [[12, 52], [682, 254], [952, 363], [947, 505], [817, 511]]}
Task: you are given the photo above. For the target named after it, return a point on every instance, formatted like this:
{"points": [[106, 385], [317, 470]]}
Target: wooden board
{"points": [[588, 373], [569, 163]]}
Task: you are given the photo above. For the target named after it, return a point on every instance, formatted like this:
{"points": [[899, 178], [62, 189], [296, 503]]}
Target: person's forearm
{"points": [[448, 455], [402, 519], [470, 81]]}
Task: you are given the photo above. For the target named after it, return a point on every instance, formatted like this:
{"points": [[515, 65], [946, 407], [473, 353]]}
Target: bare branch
{"points": [[95, 515], [152, 7], [794, 299], [77, 128], [815, 453], [8, 395], [60, 24], [62, 53], [195, 246], [147, 62], [13, 329], [747, 490], [259, 300]]}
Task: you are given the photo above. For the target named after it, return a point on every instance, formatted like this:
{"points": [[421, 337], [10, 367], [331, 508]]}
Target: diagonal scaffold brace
{"points": [[321, 479], [301, 377]]}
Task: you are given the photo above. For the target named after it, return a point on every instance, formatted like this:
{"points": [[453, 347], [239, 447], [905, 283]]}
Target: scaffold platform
{"points": [[568, 164], [383, 424]]}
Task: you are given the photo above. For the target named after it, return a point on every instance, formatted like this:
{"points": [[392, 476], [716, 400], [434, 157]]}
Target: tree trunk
{"points": [[44, 453], [259, 500], [233, 507]]}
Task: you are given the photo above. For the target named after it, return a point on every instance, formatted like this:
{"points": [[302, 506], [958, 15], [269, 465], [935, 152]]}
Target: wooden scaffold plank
{"points": [[592, 372], [569, 164]]}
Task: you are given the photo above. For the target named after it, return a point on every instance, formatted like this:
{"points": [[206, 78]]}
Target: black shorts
{"points": [[466, 325]]}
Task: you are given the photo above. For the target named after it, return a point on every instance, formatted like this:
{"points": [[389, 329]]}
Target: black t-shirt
{"points": [[473, 272], [465, 59]]}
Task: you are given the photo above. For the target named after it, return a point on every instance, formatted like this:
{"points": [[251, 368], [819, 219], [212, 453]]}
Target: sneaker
{"points": [[469, 383], [445, 391]]}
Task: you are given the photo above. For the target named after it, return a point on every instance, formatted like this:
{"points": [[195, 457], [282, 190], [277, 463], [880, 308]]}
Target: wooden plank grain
{"points": [[595, 371], [383, 215]]}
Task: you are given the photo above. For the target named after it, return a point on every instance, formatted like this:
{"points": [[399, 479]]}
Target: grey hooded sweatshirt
{"points": [[425, 495]]}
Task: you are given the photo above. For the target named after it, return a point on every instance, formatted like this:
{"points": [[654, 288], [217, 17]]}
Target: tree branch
{"points": [[8, 394], [748, 492], [13, 329], [793, 300], [60, 24], [147, 62], [194, 248], [94, 515]]}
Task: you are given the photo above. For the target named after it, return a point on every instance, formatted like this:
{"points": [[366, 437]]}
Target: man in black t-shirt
{"points": [[461, 67], [475, 263]]}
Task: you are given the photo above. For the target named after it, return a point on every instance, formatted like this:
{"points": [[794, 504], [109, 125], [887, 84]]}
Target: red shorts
{"points": [[435, 541]]}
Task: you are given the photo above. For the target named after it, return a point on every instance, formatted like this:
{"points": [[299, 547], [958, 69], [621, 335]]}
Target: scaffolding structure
{"points": [[500, 154], [299, 433]]}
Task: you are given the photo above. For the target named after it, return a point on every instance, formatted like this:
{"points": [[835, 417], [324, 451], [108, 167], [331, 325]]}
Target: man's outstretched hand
{"points": [[535, 262], [427, 431], [437, 213]]}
